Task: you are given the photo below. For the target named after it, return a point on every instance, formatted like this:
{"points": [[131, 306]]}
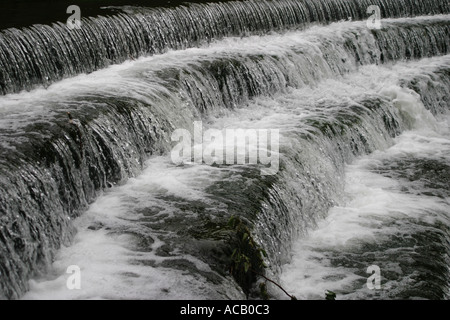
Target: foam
{"points": [[375, 209]]}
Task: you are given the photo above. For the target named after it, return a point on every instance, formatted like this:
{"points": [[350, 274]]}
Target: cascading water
{"points": [[44, 54], [100, 181]]}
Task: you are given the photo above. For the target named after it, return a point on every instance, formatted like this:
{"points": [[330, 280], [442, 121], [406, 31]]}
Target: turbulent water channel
{"points": [[362, 177]]}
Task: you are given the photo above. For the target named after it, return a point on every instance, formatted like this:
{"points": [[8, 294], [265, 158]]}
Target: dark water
{"points": [[101, 192]]}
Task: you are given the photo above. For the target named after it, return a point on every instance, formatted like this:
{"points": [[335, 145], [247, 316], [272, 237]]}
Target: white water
{"points": [[105, 255], [375, 208], [105, 258], [122, 78]]}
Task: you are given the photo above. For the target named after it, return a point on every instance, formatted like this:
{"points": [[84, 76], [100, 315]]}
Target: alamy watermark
{"points": [[74, 21], [74, 280], [374, 21], [228, 146], [374, 281]]}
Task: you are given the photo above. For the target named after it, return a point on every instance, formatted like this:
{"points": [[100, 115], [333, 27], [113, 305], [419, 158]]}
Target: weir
{"points": [[54, 166], [43, 54]]}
